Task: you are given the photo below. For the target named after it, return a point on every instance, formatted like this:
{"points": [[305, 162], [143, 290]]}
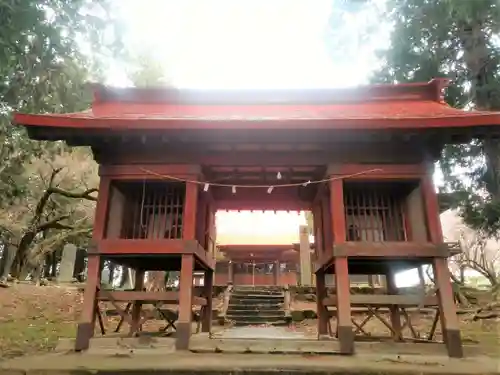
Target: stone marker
{"points": [[305, 256], [67, 267]]}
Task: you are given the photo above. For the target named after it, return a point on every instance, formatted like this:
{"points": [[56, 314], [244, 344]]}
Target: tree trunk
{"points": [[123, 277], [3, 258], [80, 265], [111, 273], [462, 275], [482, 70], [128, 275], [47, 268], [9, 260], [36, 275], [156, 281], [21, 256]]}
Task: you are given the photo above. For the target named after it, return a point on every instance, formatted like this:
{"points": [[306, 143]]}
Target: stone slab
{"points": [[263, 346], [266, 332], [122, 345], [189, 363]]}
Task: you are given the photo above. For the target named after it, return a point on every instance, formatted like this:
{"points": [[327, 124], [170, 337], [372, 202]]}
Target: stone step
{"points": [[256, 318], [257, 307], [277, 323], [255, 312], [254, 308], [257, 304], [257, 296], [255, 301], [259, 288], [258, 292]]}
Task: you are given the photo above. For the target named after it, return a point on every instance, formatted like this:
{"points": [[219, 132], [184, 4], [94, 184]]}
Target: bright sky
{"points": [[246, 44], [251, 44]]}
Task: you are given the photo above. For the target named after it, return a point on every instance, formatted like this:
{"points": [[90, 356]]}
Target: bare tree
{"points": [[58, 208], [479, 253]]}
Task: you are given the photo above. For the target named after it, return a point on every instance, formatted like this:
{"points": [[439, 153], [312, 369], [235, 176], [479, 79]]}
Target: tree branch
{"points": [[53, 224], [82, 195]]}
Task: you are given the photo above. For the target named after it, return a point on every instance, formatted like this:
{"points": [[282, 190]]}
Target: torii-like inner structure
{"points": [[376, 211]]}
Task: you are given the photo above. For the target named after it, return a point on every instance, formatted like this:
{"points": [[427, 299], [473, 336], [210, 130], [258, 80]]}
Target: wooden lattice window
{"points": [[151, 209], [374, 212]]}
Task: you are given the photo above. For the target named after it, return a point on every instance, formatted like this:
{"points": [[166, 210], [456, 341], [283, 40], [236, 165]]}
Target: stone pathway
{"points": [[209, 364], [265, 332]]}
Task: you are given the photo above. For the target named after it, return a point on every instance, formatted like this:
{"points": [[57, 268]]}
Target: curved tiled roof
{"points": [[409, 106]]}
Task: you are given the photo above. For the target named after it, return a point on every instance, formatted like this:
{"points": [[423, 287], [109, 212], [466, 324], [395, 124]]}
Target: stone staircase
{"points": [[256, 306]]}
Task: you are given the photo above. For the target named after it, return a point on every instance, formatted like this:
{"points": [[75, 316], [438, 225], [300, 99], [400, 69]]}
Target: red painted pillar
{"points": [[85, 329], [206, 323], [187, 268], [342, 283], [448, 312]]}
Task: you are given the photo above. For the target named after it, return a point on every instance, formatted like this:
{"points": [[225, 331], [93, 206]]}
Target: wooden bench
{"points": [[155, 299], [373, 304]]}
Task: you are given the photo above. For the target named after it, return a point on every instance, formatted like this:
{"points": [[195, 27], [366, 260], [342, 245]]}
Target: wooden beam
{"points": [[343, 152], [385, 300], [261, 194], [150, 247], [391, 249], [256, 248], [377, 171], [268, 205], [287, 199], [147, 248], [154, 171], [146, 297]]}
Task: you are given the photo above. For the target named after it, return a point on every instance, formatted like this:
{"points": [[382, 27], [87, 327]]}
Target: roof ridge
{"points": [[432, 90]]}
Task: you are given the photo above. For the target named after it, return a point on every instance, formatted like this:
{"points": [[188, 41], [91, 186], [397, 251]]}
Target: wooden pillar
{"points": [[206, 322], [137, 305], [318, 229], [371, 282], [326, 223], [86, 325], [322, 312], [432, 210], [447, 308], [230, 273], [276, 273], [342, 282], [187, 268], [189, 215], [448, 313], [185, 302], [394, 310], [85, 330], [322, 241]]}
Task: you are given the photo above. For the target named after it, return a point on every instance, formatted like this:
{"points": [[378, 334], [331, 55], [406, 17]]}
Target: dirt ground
{"points": [[32, 319]]}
